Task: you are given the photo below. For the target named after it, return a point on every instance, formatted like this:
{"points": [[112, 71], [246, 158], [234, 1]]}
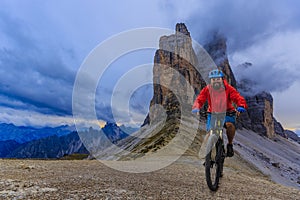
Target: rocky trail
{"points": [[90, 179]]}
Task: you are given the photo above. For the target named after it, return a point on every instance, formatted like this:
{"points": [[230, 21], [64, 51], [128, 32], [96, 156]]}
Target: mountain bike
{"points": [[215, 151]]}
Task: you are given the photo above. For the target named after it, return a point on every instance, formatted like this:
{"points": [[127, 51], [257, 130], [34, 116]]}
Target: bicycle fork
{"points": [[211, 143]]}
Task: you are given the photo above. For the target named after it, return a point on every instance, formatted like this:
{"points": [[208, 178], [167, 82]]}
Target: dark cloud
{"points": [[139, 100], [43, 45], [33, 71], [243, 22], [13, 28]]}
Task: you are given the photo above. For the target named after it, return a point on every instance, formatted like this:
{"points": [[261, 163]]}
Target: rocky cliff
{"points": [[175, 52], [259, 116], [175, 80]]}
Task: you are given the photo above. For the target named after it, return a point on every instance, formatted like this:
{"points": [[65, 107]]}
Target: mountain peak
{"points": [[22, 134], [181, 28], [110, 124], [175, 54]]}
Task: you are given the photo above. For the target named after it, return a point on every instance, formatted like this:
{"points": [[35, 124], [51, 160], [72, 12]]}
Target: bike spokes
{"points": [[214, 166]]}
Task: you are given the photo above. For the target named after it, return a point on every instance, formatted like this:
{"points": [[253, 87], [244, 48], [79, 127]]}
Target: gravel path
{"points": [[90, 179]]}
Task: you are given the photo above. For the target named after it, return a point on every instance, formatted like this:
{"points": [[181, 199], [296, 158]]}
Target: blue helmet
{"points": [[216, 73]]}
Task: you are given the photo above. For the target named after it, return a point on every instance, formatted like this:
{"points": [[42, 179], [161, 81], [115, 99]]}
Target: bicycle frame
{"points": [[216, 131]]}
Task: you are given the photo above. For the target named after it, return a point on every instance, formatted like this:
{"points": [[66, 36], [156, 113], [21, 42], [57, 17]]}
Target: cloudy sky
{"points": [[44, 43]]}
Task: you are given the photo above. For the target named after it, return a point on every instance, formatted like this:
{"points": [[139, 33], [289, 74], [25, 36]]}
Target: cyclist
{"points": [[221, 96]]}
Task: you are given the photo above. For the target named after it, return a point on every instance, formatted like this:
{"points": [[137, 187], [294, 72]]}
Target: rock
{"points": [[175, 53], [259, 116], [279, 129], [181, 28], [275, 164], [292, 135]]}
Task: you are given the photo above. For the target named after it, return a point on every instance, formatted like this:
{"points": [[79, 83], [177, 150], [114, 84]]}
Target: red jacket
{"points": [[220, 100]]}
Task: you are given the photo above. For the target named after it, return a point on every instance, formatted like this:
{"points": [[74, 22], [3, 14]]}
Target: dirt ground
{"points": [[90, 179]]}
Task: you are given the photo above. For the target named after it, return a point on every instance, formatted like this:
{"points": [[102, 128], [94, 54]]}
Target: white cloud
{"points": [[286, 106], [281, 51], [275, 61], [32, 118], [36, 119]]}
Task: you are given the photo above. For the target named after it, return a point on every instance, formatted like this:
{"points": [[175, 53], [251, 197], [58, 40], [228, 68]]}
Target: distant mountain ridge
{"points": [[22, 134], [50, 147], [52, 142], [7, 146]]}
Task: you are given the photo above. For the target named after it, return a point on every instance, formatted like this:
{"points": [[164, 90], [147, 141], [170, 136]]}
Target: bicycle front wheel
{"points": [[213, 167]]}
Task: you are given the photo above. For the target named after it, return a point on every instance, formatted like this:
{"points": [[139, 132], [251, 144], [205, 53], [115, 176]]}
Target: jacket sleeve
{"points": [[237, 98], [201, 99]]}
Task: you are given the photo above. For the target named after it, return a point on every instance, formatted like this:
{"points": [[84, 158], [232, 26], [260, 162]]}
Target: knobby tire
{"points": [[214, 166]]}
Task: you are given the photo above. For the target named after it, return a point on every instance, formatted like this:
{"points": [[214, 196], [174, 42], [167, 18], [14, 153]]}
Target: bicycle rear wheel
{"points": [[214, 167]]}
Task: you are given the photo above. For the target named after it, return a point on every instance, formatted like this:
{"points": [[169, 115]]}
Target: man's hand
{"points": [[195, 110], [241, 109]]}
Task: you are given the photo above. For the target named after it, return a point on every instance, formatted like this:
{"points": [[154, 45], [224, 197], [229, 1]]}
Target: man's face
{"points": [[216, 83]]}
